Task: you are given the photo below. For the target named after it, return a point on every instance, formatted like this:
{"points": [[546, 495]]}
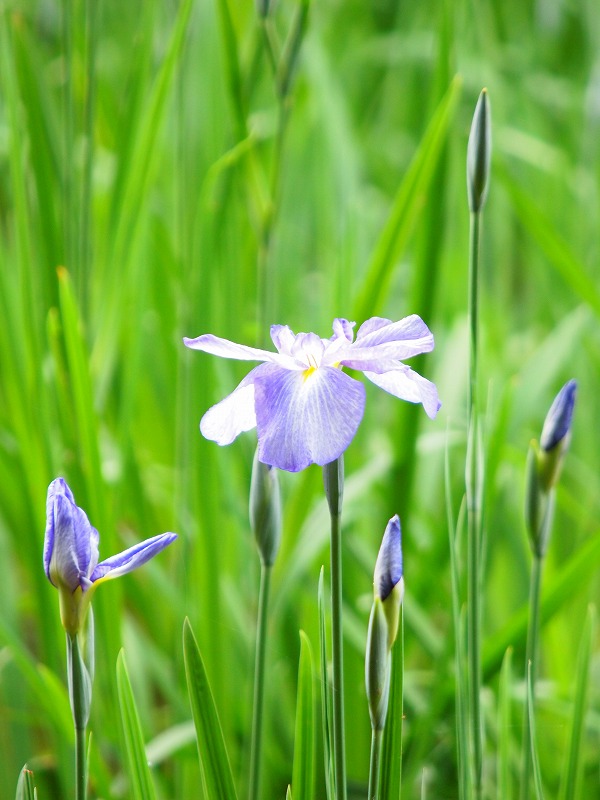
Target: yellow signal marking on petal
{"points": [[308, 372]]}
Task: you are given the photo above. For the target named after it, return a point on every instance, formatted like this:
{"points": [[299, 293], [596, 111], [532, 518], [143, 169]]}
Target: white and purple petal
{"points": [[71, 546], [304, 418], [131, 558], [224, 421], [379, 330], [406, 384], [217, 346]]}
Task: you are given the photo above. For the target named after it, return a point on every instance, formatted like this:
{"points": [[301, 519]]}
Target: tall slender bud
{"points": [[265, 510], [377, 666], [556, 435], [544, 463], [478, 154], [388, 580]]}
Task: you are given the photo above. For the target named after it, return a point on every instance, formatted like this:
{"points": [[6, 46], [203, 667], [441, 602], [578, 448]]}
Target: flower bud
{"points": [[388, 581], [377, 666], [556, 435], [479, 149], [265, 510]]}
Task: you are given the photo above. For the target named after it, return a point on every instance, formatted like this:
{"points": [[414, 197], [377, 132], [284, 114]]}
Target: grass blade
{"points": [[140, 779], [303, 771], [25, 787], [570, 788], [214, 761], [504, 785], [406, 207]]}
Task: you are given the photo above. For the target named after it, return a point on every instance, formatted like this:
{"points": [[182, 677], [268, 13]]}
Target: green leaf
{"points": [[303, 771], [214, 761], [504, 785], [571, 783], [140, 778], [25, 787], [407, 206]]}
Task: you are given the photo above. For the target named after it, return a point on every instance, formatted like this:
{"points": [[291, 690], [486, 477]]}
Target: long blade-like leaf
{"points": [[570, 788], [214, 761], [303, 772], [140, 778], [407, 204], [25, 786]]}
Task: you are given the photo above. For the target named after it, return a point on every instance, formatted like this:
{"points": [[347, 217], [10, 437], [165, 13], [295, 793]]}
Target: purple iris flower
{"points": [[71, 554], [305, 409]]}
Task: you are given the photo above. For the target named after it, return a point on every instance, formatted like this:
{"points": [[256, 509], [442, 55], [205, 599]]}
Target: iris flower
{"points": [[305, 408], [71, 555]]}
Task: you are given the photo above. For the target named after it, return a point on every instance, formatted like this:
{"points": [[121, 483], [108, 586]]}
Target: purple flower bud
{"points": [[557, 425], [388, 581], [71, 555]]}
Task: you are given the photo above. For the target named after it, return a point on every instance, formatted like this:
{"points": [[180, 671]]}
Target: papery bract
{"points": [[305, 409]]}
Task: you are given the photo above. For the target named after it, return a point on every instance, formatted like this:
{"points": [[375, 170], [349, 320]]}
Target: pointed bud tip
{"points": [[478, 154], [557, 425], [389, 565]]}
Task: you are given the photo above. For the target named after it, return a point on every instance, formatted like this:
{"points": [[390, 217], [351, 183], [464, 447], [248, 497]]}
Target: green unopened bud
{"points": [[377, 666], [265, 510], [478, 154]]}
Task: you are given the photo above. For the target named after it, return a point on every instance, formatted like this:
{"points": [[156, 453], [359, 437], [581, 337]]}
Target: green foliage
{"points": [[140, 780], [214, 761]]}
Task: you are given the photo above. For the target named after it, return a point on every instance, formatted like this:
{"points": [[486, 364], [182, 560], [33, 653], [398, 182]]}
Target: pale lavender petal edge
{"points": [[133, 557], [406, 384]]}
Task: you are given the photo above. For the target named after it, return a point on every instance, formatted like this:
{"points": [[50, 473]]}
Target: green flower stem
{"points": [[376, 739], [79, 689], [259, 683], [473, 490], [333, 475], [531, 659]]}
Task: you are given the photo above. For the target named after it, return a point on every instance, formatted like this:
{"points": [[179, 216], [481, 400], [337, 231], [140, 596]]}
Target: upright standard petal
{"points": [[406, 384], [378, 330], [305, 417], [131, 558]]}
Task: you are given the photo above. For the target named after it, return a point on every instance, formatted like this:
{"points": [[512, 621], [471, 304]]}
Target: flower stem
{"points": [[376, 738], [333, 475], [473, 489], [80, 696], [531, 659], [80, 765], [259, 683]]}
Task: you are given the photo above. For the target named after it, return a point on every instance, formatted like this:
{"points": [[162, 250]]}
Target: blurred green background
{"points": [[155, 184]]}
